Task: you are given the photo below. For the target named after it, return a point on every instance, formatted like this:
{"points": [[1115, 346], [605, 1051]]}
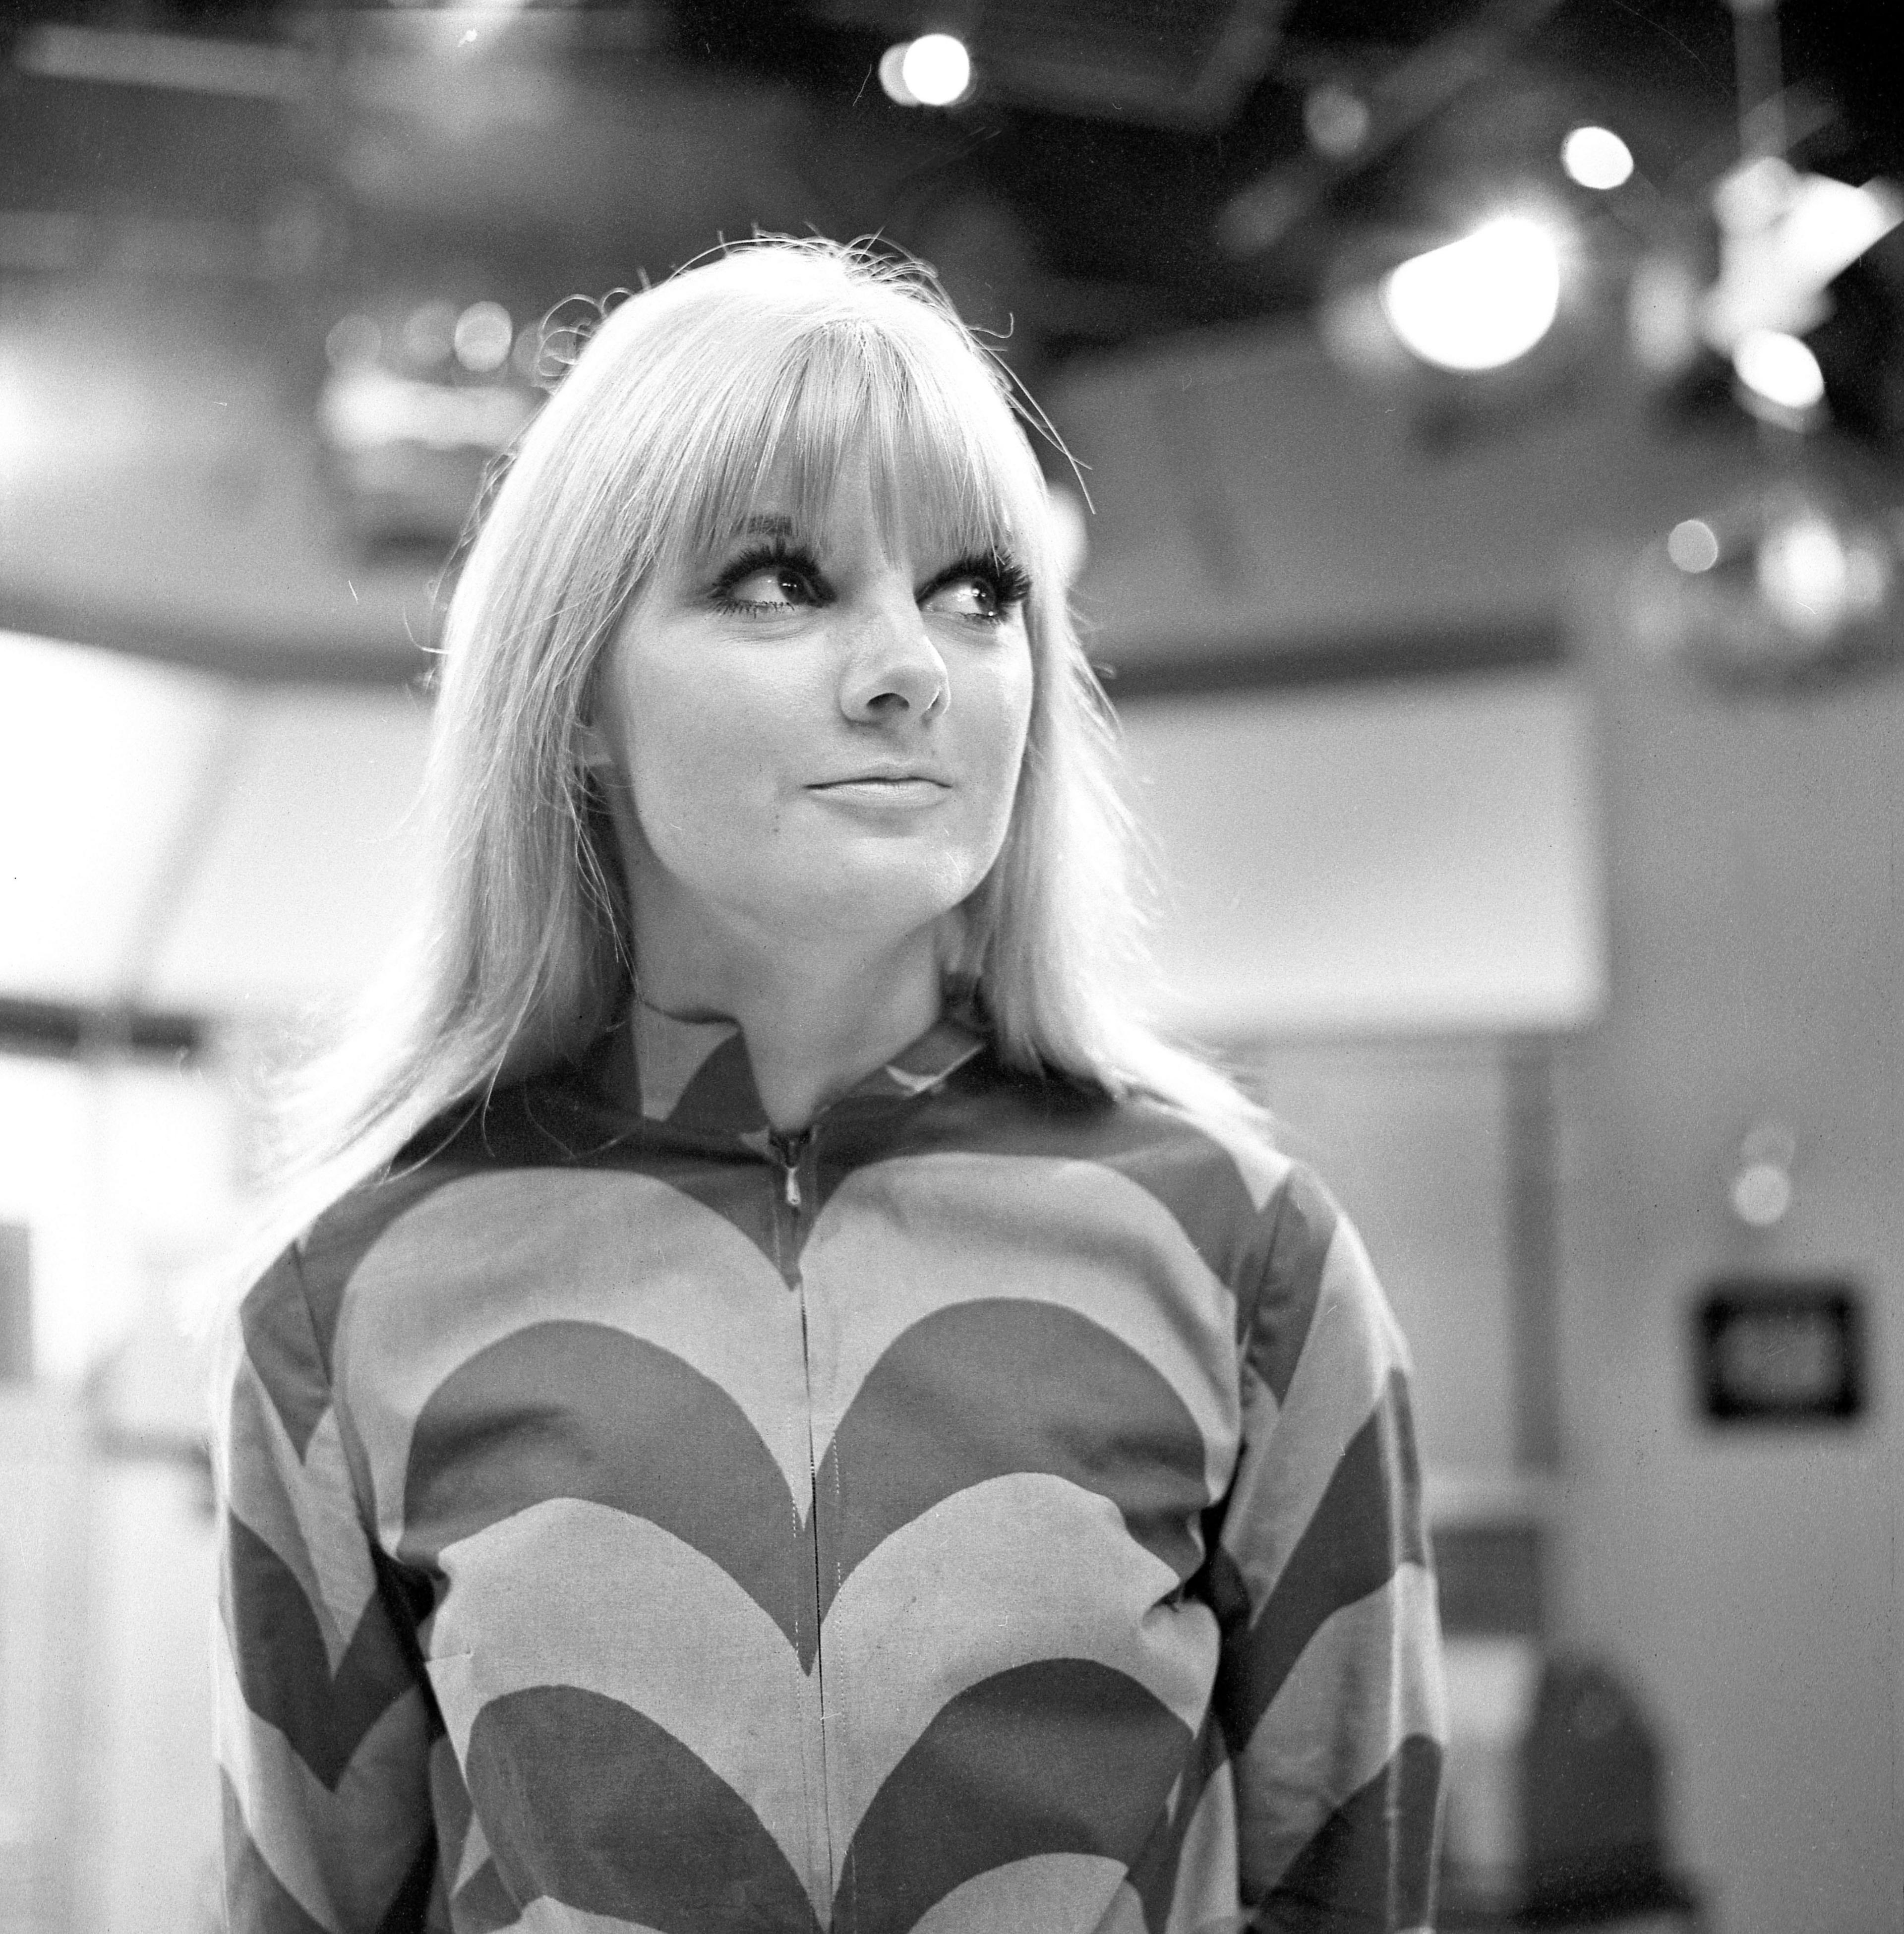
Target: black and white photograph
{"points": [[951, 967]]}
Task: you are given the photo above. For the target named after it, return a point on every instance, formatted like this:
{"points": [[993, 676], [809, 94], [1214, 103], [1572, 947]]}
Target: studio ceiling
{"points": [[193, 194]]}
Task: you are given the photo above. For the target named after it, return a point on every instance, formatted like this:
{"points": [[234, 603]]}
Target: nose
{"points": [[894, 669]]}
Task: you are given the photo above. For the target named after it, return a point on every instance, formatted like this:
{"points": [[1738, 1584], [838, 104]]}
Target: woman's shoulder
{"points": [[1219, 1183], [1260, 1215], [338, 1214], [289, 1311], [1230, 1149], [1301, 1277], [1219, 1176]]}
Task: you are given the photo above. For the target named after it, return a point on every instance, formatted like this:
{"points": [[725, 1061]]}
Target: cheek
{"points": [[1006, 724], [678, 775], [696, 770]]}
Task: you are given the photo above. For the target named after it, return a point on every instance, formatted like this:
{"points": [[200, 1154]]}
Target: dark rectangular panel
{"points": [[1489, 1576], [1780, 1350]]}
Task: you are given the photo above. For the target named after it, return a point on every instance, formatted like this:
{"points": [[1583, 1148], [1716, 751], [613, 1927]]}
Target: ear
{"points": [[591, 743]]}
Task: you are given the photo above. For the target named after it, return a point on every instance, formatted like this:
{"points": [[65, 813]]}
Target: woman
{"points": [[801, 1412]]}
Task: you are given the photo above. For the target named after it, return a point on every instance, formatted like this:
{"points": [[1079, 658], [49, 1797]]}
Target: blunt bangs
{"points": [[951, 472]]}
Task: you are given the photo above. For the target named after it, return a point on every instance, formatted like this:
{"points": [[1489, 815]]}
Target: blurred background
{"points": [[1492, 414]]}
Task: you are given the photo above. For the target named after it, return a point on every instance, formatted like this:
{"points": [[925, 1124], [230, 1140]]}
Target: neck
{"points": [[816, 1018]]}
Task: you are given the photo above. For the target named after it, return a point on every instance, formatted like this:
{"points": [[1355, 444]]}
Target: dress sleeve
{"points": [[1329, 1690], [324, 1724]]}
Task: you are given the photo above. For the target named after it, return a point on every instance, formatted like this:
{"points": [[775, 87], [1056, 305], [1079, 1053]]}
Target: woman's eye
{"points": [[968, 595], [770, 586]]}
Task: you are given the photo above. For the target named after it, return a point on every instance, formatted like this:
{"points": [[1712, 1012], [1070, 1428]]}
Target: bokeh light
{"points": [[1805, 575], [1778, 369], [1596, 157], [1761, 1195], [1693, 545], [892, 75], [1479, 302], [1335, 121], [484, 335], [936, 70], [430, 335]]}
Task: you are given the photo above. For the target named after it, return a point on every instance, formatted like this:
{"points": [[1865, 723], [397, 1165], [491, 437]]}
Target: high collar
{"points": [[695, 1076]]}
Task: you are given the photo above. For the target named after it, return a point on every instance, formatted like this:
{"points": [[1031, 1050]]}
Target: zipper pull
{"points": [[789, 1149]]}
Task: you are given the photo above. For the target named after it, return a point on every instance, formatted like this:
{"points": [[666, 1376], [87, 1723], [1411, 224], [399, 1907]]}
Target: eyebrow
{"points": [[711, 546]]}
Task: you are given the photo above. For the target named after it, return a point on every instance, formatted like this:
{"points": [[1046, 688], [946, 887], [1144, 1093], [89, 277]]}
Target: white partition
{"points": [[309, 863], [1406, 857], [172, 839], [105, 764]]}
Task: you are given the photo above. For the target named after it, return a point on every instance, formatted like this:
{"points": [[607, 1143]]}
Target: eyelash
{"points": [[776, 556], [1007, 584]]}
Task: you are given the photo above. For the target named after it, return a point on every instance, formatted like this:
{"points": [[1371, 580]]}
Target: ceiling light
{"points": [[1596, 158], [1778, 369], [935, 70], [1479, 302]]}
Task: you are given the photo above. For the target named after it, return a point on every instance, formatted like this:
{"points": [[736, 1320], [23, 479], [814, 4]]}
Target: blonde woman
{"points": [[792, 1409]]}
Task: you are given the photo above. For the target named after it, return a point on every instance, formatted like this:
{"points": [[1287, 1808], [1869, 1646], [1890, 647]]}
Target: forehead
{"points": [[858, 507], [934, 463]]}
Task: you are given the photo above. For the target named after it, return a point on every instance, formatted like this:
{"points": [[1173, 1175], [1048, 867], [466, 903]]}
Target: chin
{"points": [[893, 899]]}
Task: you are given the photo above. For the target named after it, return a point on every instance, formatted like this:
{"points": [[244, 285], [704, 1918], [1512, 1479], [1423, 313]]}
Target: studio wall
{"points": [[1748, 1574]]}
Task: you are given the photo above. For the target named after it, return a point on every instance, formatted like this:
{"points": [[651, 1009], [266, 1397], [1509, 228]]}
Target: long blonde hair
{"points": [[656, 440]]}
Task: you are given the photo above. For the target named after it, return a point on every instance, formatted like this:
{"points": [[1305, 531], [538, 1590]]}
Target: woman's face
{"points": [[819, 737]]}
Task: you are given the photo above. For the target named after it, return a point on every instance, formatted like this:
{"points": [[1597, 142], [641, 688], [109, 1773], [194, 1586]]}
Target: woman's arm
{"points": [[1330, 1691], [324, 1728]]}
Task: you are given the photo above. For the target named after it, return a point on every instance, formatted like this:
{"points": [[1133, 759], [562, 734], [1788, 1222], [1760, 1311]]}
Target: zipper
{"points": [[789, 1153]]}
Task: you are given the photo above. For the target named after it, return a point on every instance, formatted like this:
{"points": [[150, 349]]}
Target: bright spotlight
{"points": [[1480, 301], [1778, 369], [1596, 158], [936, 70]]}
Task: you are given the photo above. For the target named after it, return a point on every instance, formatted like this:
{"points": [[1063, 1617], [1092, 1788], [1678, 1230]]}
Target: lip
{"points": [[893, 790], [882, 775]]}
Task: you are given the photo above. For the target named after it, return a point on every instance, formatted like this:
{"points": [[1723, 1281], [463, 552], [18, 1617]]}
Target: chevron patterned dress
{"points": [[994, 1511]]}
